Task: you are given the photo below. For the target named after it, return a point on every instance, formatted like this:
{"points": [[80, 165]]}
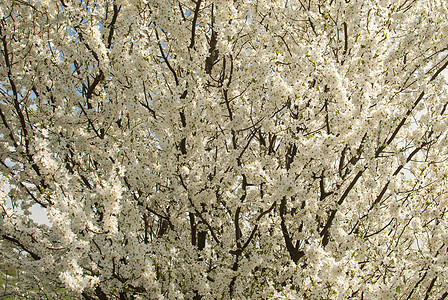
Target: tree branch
{"points": [[193, 25], [22, 246]]}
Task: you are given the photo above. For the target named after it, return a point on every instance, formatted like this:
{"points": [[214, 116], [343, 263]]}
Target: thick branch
{"points": [[22, 246], [193, 25], [112, 26], [294, 253], [345, 38], [325, 233]]}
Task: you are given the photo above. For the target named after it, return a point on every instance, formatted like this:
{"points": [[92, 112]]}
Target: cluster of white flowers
{"points": [[222, 149]]}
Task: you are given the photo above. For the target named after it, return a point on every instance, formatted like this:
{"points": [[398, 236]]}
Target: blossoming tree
{"points": [[225, 149]]}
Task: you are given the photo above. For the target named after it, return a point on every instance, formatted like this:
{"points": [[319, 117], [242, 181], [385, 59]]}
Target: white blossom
{"points": [[224, 149]]}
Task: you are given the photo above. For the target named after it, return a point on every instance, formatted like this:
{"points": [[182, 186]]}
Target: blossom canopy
{"points": [[251, 149]]}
